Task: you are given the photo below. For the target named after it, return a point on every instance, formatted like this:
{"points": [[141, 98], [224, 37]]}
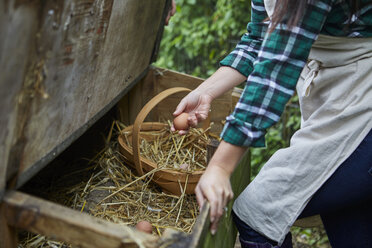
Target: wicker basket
{"points": [[169, 180]]}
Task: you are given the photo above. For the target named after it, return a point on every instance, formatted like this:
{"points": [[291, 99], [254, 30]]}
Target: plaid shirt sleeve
{"points": [[280, 59], [245, 53]]}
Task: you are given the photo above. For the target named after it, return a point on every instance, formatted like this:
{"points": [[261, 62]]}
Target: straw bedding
{"points": [[113, 191]]}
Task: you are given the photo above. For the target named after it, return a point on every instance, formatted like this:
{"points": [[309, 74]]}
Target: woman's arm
{"points": [[224, 79], [214, 185], [272, 82], [235, 69]]}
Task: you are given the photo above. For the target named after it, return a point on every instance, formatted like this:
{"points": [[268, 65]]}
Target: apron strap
{"points": [[314, 67]]}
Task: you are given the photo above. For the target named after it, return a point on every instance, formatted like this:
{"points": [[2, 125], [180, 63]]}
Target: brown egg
{"points": [[180, 122], [144, 226]]}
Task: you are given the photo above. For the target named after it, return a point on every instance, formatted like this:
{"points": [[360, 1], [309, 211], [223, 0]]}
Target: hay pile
{"points": [[115, 193]]}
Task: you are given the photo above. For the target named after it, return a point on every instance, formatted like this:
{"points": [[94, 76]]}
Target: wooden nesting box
{"points": [[63, 66]]}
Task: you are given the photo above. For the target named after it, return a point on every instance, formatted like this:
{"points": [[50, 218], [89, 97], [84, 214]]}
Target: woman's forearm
{"points": [[224, 79], [227, 157]]}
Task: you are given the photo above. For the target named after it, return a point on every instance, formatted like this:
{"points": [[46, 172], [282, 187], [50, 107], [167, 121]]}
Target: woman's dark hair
{"points": [[290, 12]]}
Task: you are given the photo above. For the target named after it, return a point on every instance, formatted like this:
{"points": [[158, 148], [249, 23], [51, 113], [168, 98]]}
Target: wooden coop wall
{"points": [[63, 64]]}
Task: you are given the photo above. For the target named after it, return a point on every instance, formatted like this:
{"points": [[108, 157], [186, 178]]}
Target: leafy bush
{"points": [[201, 34]]}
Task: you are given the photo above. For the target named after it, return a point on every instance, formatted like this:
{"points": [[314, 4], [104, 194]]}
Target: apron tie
{"points": [[314, 67]]}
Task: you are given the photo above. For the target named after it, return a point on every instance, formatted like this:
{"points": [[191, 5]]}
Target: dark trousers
{"points": [[344, 203]]}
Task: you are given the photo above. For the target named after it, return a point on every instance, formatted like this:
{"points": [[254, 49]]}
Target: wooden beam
{"points": [[58, 222], [8, 234], [201, 227], [312, 221], [18, 27]]}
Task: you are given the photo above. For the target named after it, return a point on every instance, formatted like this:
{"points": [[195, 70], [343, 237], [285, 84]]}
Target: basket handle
{"points": [[141, 117]]}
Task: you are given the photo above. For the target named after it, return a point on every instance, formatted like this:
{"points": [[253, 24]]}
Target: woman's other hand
{"points": [[214, 186]]}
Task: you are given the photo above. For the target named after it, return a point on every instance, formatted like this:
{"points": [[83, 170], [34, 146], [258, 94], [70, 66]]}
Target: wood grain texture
{"points": [[201, 228], [312, 221], [62, 63], [17, 29], [8, 234], [131, 104], [62, 223]]}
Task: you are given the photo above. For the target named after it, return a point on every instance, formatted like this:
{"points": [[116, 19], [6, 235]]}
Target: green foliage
{"points": [[201, 33], [310, 237]]}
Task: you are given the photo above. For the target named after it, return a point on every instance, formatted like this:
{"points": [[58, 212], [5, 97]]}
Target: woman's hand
{"points": [[215, 187], [197, 104]]}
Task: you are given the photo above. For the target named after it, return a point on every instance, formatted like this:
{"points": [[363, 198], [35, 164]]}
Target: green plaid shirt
{"points": [[273, 63]]}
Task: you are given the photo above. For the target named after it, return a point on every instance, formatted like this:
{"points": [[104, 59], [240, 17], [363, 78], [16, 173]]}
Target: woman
{"points": [[323, 48]]}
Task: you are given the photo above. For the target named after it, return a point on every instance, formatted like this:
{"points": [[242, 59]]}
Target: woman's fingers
{"points": [[218, 211], [180, 107], [214, 186], [229, 195], [215, 197], [226, 197], [192, 120], [216, 204], [199, 197], [196, 105], [182, 132], [213, 201], [172, 128], [200, 116]]}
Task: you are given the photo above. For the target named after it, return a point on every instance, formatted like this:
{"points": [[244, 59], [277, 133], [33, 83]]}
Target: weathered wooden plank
{"points": [[131, 104], [17, 29], [62, 223], [226, 233], [201, 227], [63, 64], [312, 221], [8, 234]]}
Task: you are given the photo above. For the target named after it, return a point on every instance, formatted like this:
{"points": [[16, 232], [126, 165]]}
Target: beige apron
{"points": [[335, 94]]}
